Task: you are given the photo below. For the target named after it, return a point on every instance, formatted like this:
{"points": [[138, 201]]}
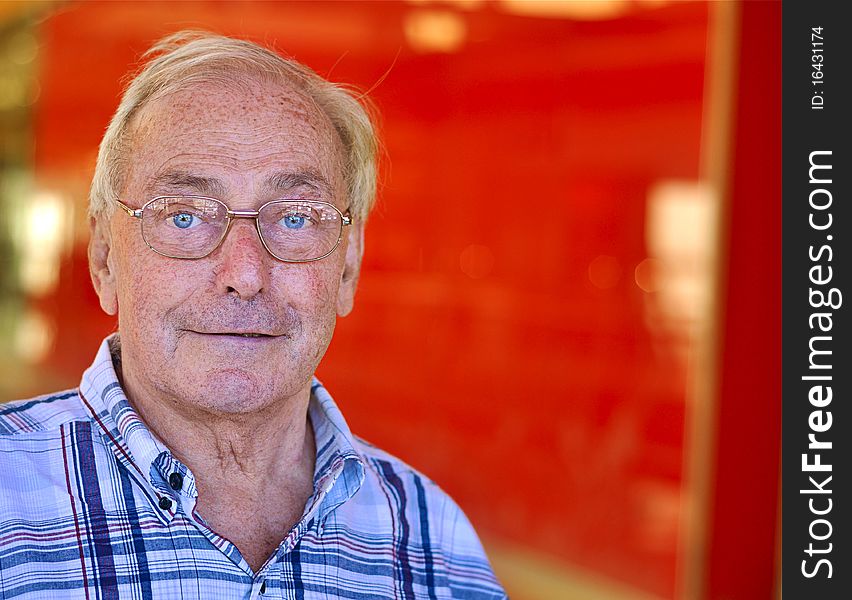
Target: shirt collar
{"points": [[131, 441], [338, 472]]}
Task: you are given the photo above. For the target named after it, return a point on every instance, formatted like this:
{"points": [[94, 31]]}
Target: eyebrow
{"points": [[280, 182], [285, 181], [168, 180]]}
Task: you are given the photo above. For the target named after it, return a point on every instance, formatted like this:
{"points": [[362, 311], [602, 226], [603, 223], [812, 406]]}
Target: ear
{"points": [[103, 276], [351, 268]]}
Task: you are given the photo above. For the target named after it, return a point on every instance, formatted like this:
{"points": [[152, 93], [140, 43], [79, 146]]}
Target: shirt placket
{"points": [[269, 579]]}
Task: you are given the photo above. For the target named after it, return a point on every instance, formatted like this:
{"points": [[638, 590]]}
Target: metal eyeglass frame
{"points": [[345, 220]]}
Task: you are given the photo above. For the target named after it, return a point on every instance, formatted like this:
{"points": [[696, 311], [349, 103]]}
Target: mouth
{"points": [[237, 334], [247, 335]]}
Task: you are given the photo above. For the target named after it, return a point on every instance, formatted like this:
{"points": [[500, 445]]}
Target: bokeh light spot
{"points": [[476, 261], [604, 272]]}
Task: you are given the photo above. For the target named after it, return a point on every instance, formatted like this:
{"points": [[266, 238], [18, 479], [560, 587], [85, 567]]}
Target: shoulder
{"points": [[34, 436], [412, 496], [431, 521], [375, 455], [42, 413], [396, 473]]}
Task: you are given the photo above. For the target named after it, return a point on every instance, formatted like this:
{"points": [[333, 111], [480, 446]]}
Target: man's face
{"points": [[181, 321]]}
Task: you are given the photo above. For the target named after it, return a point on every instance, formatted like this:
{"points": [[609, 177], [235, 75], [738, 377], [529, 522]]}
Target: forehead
{"points": [[237, 133]]}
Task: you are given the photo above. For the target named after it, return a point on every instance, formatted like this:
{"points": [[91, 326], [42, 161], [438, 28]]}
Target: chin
{"points": [[233, 391]]}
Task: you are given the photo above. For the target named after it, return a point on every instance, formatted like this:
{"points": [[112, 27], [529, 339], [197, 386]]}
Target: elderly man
{"points": [[199, 458]]}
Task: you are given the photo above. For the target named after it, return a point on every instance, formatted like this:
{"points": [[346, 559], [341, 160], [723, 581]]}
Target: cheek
{"points": [[148, 290], [311, 288], [315, 301], [320, 290]]}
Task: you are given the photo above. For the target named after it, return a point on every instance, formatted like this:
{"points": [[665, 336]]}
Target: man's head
{"points": [[225, 119]]}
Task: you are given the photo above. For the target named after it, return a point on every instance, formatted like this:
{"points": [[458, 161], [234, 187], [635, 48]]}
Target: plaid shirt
{"points": [[92, 505]]}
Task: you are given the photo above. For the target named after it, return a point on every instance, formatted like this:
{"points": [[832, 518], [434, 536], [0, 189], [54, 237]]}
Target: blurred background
{"points": [[569, 313]]}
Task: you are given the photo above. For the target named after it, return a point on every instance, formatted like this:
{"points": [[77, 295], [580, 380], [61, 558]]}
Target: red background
{"points": [[480, 349]]}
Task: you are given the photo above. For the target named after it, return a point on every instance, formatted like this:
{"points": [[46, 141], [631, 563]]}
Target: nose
{"points": [[243, 269]]}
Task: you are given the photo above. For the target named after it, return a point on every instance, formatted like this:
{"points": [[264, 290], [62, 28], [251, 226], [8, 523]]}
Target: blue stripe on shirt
{"points": [[81, 478]]}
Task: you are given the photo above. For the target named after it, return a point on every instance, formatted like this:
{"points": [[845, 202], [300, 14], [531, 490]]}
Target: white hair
{"points": [[189, 57]]}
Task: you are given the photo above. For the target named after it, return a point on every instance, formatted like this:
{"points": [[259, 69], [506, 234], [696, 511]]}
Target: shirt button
{"points": [[176, 481], [263, 587], [165, 503]]}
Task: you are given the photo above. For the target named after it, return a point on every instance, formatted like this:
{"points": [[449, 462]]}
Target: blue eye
{"points": [[294, 221], [183, 220]]}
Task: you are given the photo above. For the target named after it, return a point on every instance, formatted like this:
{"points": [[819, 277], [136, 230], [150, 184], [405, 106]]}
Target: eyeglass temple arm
{"points": [[130, 211]]}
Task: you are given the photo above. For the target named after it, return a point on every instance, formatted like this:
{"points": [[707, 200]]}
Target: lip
{"points": [[249, 336], [239, 333]]}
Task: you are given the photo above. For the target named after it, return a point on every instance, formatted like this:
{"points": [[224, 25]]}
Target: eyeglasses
{"points": [[193, 226]]}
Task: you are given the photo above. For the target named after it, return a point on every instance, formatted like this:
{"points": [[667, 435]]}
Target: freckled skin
{"points": [[240, 285], [234, 412]]}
